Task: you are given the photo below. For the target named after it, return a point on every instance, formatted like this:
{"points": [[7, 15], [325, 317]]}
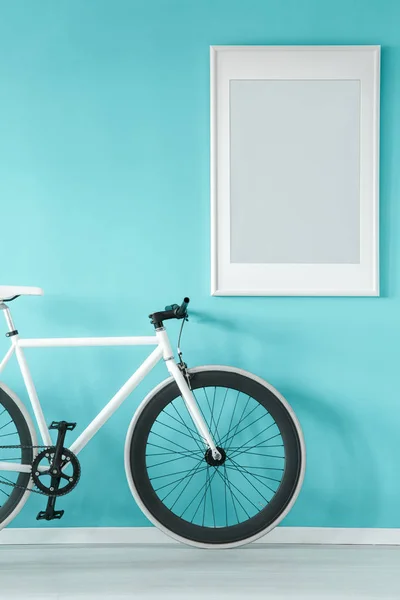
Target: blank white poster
{"points": [[295, 171]]}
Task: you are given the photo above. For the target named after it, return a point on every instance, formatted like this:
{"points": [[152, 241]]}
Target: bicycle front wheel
{"points": [[209, 503]]}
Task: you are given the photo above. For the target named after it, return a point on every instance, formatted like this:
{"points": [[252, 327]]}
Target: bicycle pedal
{"points": [[55, 514], [62, 425]]}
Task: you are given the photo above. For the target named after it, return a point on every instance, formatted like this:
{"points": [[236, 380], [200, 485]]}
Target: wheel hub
{"points": [[214, 462]]}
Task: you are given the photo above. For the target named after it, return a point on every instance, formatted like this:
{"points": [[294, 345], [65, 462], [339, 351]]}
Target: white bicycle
{"points": [[214, 455]]}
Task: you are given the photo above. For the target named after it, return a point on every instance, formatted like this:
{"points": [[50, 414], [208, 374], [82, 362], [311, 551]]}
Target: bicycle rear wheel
{"points": [[206, 503], [17, 438]]}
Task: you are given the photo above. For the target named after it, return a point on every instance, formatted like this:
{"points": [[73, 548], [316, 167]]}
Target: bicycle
{"points": [[214, 455]]}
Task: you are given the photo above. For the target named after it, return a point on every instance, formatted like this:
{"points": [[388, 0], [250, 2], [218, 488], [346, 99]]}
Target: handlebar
{"points": [[174, 311], [181, 312]]}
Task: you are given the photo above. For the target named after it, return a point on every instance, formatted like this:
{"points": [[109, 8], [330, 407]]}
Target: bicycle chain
{"points": [[21, 487]]}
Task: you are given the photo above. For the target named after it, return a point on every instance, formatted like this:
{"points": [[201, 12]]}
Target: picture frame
{"points": [[294, 170]]}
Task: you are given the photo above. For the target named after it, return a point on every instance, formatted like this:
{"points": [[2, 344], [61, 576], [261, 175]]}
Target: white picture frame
{"points": [[295, 170]]}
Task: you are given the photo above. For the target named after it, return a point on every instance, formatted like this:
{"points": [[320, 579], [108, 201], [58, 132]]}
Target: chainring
{"points": [[71, 480]]}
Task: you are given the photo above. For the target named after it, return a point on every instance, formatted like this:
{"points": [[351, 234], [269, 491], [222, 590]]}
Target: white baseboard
{"points": [[151, 535]]}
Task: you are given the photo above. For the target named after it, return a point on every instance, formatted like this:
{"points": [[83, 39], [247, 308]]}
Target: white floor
{"points": [[173, 571]]}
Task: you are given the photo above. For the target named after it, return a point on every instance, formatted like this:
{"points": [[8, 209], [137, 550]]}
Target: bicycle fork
{"points": [[186, 392]]}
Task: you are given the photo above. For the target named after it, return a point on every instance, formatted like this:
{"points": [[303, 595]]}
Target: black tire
{"points": [[14, 431], [164, 427]]}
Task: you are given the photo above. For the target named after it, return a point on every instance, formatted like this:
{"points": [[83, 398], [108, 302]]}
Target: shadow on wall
{"points": [[245, 337], [342, 483]]}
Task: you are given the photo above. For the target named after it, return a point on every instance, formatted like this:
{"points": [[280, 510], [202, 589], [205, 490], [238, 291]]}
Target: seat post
{"points": [[10, 323]]}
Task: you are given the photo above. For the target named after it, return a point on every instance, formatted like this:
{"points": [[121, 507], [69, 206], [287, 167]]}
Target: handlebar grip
{"points": [[182, 310]]}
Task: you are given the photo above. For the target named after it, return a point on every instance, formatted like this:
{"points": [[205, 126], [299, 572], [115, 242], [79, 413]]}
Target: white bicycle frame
{"points": [[162, 350]]}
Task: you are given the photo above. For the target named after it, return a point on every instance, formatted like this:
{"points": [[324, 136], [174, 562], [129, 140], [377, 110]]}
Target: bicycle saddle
{"points": [[9, 292]]}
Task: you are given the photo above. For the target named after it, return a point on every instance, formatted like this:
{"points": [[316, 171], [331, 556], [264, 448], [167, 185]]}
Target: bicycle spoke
{"points": [[259, 444], [169, 450], [256, 435], [195, 470], [220, 413], [6, 479], [238, 467], [170, 461], [273, 445], [181, 420], [232, 495], [211, 411], [252, 485], [212, 505], [200, 407], [243, 508], [257, 478], [176, 480], [257, 475], [226, 505], [170, 474], [239, 451], [193, 499], [205, 493], [172, 442], [8, 423], [201, 500], [244, 496], [230, 422], [213, 406], [192, 431], [175, 429], [264, 468], [252, 423], [240, 420], [188, 453]]}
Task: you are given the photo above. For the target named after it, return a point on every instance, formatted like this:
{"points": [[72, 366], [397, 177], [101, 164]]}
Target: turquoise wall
{"points": [[104, 191]]}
